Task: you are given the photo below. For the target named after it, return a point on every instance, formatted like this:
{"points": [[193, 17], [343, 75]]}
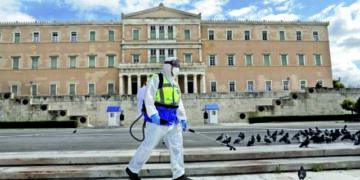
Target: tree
{"points": [[337, 84], [357, 106], [348, 105]]}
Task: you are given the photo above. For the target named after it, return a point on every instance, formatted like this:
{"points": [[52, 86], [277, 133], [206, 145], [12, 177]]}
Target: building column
{"points": [[185, 83], [203, 85], [121, 85], [195, 84], [139, 81], [129, 85]]}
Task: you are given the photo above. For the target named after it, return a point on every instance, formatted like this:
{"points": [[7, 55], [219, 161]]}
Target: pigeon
{"points": [[348, 135], [268, 132], [267, 140], [237, 140], [318, 138], [226, 140], [301, 173], [251, 141], [74, 131], [344, 130], [357, 132], [285, 138], [357, 140], [296, 137], [281, 132], [220, 137], [273, 136], [241, 135], [305, 143], [318, 130], [258, 138]]}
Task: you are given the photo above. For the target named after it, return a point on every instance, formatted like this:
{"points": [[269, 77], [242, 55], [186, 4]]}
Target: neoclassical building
{"points": [[115, 57]]}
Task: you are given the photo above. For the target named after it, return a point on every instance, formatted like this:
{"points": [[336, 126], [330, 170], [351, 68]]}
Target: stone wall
{"points": [[320, 101]]}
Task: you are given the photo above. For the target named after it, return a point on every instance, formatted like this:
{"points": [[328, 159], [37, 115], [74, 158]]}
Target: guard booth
{"points": [[113, 115], [213, 111]]}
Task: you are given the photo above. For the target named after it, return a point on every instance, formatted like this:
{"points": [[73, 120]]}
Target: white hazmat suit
{"points": [[154, 133]]}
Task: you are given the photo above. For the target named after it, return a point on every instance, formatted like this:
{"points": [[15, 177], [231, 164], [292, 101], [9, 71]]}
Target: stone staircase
{"points": [[199, 162]]}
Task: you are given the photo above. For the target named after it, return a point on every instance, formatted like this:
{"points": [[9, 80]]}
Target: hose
{"points": [[143, 127]]}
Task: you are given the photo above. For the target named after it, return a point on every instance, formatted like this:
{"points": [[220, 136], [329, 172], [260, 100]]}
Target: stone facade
{"points": [[231, 105], [83, 61]]}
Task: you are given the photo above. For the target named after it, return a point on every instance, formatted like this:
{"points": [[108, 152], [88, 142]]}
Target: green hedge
{"points": [[38, 124], [304, 118]]}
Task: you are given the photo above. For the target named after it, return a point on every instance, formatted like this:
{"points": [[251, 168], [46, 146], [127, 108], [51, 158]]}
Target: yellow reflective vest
{"points": [[167, 95]]}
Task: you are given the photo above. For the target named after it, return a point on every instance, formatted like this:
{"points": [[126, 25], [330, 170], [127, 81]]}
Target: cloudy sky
{"points": [[343, 15]]}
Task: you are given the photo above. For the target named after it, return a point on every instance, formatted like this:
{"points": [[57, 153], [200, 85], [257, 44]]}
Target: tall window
{"points": [[15, 62], [232, 86], [152, 32], [111, 88], [111, 35], [212, 86], [211, 35], [72, 62], [54, 36], [92, 62], [170, 32], [14, 89], [282, 35], [136, 34], [247, 35], [229, 35], [187, 57], [74, 37], [72, 89], [317, 59], [302, 84], [266, 59], [53, 90], [153, 55], [161, 55], [187, 34], [161, 32], [111, 61], [170, 52], [298, 35], [17, 37], [268, 87], [264, 35], [212, 60], [316, 36], [53, 62], [36, 37], [283, 59], [286, 85], [248, 59], [230, 60], [136, 58], [301, 59], [91, 89], [34, 62], [250, 86], [34, 89], [92, 36]]}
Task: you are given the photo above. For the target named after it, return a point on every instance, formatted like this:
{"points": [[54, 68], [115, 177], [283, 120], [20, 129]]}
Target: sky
{"points": [[343, 16]]}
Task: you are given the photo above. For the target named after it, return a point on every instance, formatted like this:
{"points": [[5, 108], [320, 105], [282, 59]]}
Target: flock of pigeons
{"points": [[304, 137]]}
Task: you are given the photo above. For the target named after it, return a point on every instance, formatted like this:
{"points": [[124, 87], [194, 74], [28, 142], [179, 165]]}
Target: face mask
{"points": [[175, 71]]}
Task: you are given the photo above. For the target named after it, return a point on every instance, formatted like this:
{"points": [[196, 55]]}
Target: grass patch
{"points": [[317, 168], [277, 169]]}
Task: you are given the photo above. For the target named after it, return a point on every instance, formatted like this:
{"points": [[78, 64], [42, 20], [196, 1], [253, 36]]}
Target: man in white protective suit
{"points": [[166, 118]]}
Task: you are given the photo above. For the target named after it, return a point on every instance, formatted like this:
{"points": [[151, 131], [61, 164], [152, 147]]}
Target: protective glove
{"points": [[184, 125], [155, 118]]}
